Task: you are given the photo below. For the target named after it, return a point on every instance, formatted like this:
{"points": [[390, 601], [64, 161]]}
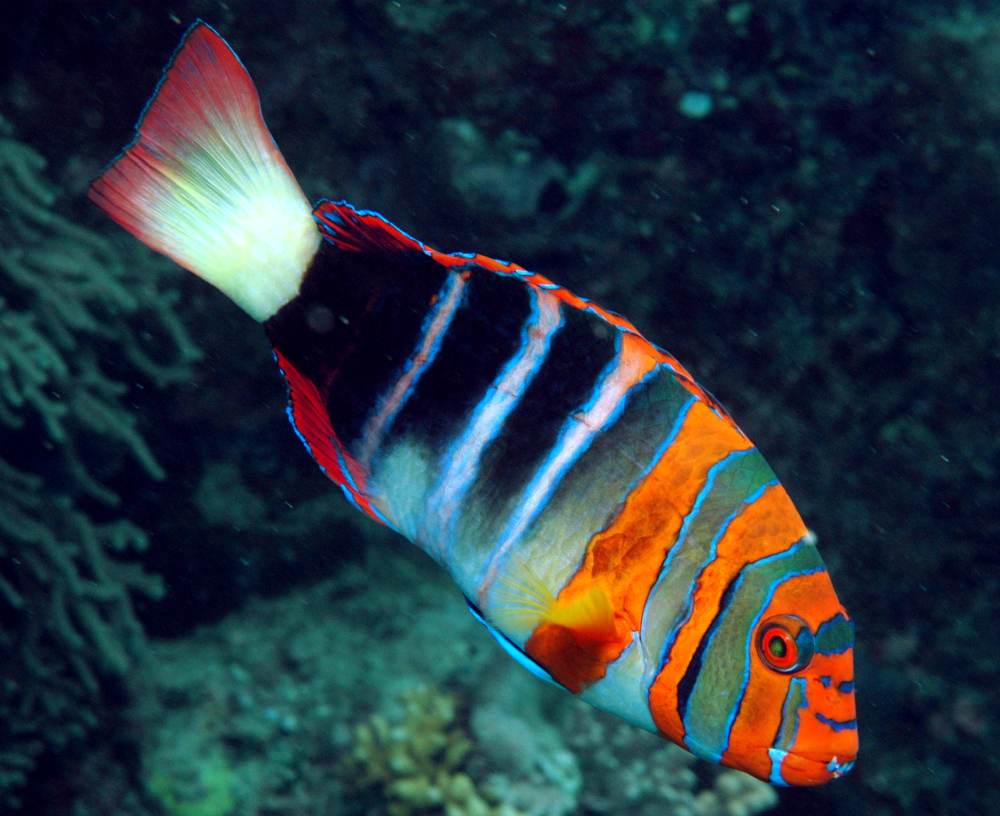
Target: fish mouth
{"points": [[807, 767]]}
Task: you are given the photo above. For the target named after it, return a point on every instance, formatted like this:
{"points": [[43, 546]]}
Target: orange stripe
{"points": [[758, 720], [625, 559], [810, 597], [812, 733], [768, 526]]}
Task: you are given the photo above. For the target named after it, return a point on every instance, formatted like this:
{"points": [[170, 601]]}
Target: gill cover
{"points": [[769, 688]]}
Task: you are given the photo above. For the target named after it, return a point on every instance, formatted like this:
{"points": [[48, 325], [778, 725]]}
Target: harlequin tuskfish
{"points": [[604, 517]]}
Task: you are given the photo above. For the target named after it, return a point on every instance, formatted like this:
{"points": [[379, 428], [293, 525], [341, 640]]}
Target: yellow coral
{"points": [[415, 761]]}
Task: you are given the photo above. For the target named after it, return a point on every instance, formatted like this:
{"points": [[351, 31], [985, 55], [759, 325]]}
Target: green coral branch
{"points": [[416, 761], [69, 299], [68, 289], [28, 361]]}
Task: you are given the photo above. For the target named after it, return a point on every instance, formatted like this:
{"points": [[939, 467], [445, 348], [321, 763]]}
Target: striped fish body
{"points": [[602, 514], [535, 444]]}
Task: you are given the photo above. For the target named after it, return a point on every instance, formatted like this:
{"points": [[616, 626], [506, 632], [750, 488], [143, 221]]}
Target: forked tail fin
{"points": [[204, 183]]}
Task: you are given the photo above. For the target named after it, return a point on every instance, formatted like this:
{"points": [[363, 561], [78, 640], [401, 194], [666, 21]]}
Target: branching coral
{"points": [[631, 771], [67, 295], [68, 303], [415, 761]]}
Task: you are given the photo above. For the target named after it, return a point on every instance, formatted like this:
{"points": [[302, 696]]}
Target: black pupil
{"points": [[776, 646]]}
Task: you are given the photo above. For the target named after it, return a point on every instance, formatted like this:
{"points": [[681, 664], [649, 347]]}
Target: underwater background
{"points": [[798, 200]]}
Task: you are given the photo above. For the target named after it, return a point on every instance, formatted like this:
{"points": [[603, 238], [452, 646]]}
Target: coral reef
{"points": [[67, 298], [209, 794], [416, 761], [332, 699], [626, 770], [523, 756], [277, 690]]}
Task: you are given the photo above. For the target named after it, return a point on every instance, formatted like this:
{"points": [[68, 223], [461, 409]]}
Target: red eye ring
{"points": [[778, 648], [785, 644]]}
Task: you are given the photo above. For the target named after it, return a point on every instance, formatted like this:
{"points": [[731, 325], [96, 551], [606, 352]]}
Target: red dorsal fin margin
{"points": [[311, 422], [370, 234], [363, 231]]}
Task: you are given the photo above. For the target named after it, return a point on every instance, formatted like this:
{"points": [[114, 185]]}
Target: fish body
{"points": [[604, 517]]}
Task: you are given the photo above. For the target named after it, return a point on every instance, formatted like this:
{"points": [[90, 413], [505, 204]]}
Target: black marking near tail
{"points": [[353, 326], [484, 334], [578, 355]]}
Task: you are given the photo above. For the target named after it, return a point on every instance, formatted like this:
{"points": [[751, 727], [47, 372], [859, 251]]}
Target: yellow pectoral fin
{"points": [[520, 599], [590, 616]]}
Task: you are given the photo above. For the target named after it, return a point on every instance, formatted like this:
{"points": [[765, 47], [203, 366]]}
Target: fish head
{"points": [[797, 722]]}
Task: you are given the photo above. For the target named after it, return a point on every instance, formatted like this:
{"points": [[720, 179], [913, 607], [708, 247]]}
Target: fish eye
{"points": [[785, 643]]}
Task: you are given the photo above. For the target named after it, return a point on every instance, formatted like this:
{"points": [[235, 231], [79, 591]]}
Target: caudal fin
{"points": [[204, 183]]}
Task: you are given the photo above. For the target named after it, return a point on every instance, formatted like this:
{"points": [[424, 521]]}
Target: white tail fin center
{"points": [[205, 184]]}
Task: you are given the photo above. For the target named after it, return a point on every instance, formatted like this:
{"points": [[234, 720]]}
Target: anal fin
{"points": [[309, 418]]}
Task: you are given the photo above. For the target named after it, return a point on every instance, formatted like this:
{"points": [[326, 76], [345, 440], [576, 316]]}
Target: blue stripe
{"points": [[532, 503], [682, 534], [450, 283], [530, 324], [710, 555], [529, 491], [837, 725], [714, 752], [837, 621], [790, 714], [473, 441], [777, 756], [373, 437], [568, 427], [660, 451]]}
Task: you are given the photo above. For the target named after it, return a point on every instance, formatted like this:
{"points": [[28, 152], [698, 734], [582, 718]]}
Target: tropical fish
{"points": [[603, 515]]}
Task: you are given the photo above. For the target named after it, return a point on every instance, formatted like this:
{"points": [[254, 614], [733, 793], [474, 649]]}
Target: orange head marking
{"points": [[797, 723], [769, 684]]}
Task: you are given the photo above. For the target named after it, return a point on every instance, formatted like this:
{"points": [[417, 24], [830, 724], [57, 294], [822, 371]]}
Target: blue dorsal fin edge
{"points": [[363, 231]]}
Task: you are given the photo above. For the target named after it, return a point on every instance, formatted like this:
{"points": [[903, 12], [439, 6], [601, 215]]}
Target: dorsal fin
{"points": [[204, 183], [363, 231]]}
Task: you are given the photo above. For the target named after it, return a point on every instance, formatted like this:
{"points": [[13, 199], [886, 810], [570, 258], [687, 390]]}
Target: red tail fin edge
{"points": [[204, 183]]}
